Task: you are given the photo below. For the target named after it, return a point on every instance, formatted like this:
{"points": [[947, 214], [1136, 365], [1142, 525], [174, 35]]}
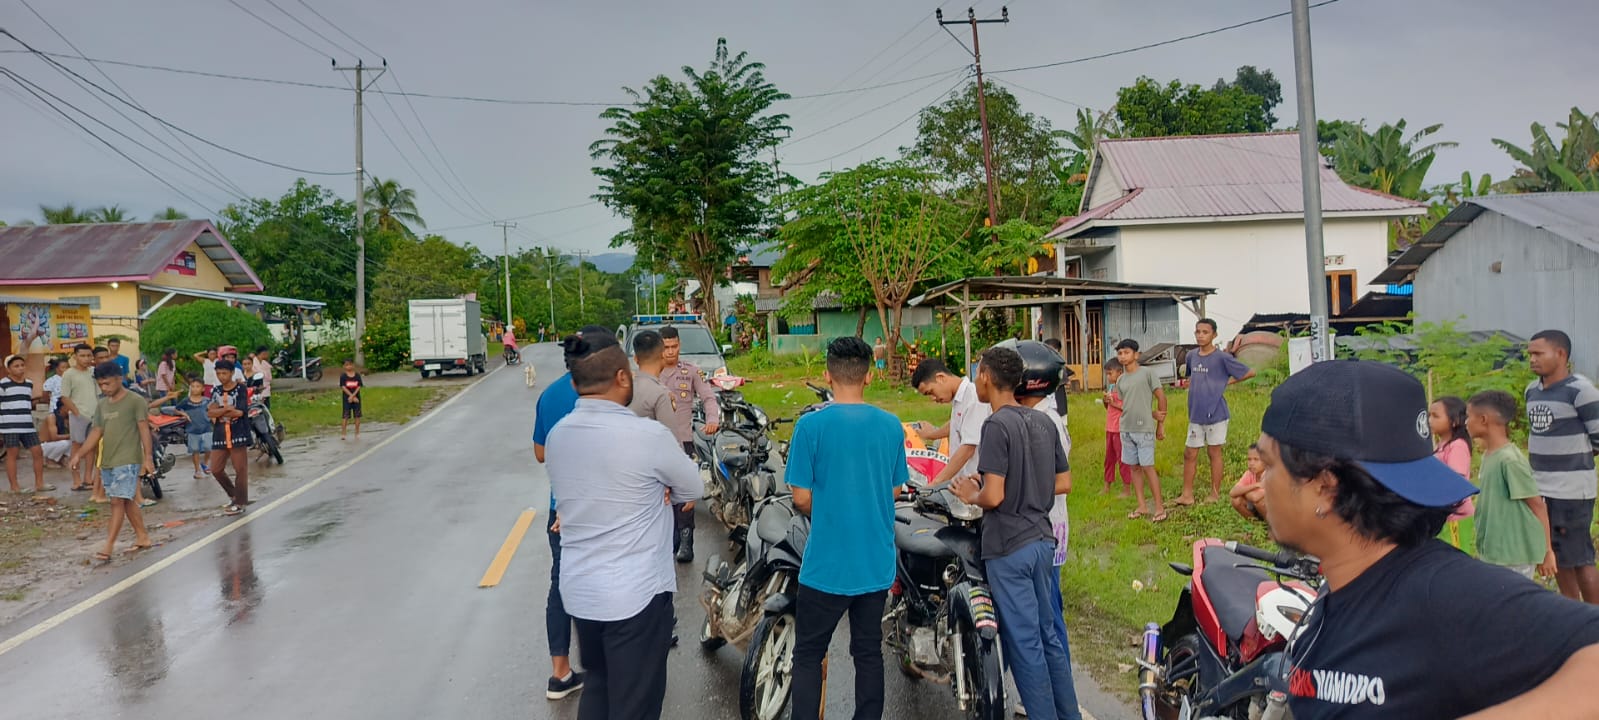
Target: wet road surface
{"points": [[359, 598]]}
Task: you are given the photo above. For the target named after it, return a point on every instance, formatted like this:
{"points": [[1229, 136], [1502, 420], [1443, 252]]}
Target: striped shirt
{"points": [[1564, 423], [16, 407]]}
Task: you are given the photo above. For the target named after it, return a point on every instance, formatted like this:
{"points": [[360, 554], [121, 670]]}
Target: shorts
{"points": [[1212, 435], [1525, 571], [1138, 449], [219, 440], [121, 481], [79, 426], [1569, 521], [199, 443], [353, 410], [881, 364], [24, 441]]}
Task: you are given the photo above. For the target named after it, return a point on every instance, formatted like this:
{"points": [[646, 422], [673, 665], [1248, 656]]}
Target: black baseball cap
{"points": [[1372, 414]]}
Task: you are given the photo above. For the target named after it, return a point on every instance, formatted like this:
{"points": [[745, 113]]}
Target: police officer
{"points": [[684, 382]]}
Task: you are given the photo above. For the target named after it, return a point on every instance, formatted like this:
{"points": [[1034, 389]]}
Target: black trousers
{"points": [[816, 617], [626, 663], [682, 519]]}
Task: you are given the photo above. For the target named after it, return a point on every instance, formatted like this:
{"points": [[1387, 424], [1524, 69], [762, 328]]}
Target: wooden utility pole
{"points": [[982, 101], [360, 206]]}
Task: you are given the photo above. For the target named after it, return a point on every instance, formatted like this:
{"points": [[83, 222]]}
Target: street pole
{"points": [[1310, 172], [982, 102], [360, 207], [505, 230], [582, 306], [549, 285]]}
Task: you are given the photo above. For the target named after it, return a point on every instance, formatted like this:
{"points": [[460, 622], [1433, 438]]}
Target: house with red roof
{"points": [[1221, 211]]}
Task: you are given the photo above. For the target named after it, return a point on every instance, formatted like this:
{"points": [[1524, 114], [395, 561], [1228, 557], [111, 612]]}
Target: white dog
{"points": [[529, 373]]}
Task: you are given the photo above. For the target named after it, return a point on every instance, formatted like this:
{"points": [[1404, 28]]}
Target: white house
{"points": [[1223, 211]]}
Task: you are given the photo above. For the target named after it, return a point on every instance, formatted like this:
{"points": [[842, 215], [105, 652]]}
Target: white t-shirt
{"points": [[1058, 518], [966, 417], [211, 373]]}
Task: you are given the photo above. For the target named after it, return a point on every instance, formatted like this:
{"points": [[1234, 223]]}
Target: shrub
{"points": [[1448, 359], [387, 344], [195, 326]]}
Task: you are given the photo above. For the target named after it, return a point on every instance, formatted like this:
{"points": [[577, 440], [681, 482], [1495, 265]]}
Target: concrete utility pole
{"points": [[549, 285], [505, 230], [360, 205], [1310, 171], [582, 306], [982, 100]]}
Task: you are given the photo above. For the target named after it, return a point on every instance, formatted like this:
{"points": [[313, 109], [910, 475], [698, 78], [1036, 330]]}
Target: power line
{"points": [[335, 26], [407, 160], [1162, 43], [443, 158], [851, 119], [281, 31], [1008, 81], [538, 213], [429, 160], [914, 25], [313, 30], [896, 126]]}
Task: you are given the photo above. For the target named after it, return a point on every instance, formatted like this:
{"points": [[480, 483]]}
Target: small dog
{"points": [[530, 374]]}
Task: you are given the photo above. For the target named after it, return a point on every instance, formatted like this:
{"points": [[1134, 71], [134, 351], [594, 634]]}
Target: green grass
{"points": [[309, 411]]}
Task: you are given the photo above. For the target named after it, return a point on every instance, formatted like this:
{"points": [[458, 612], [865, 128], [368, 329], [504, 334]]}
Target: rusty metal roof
{"points": [[1217, 176], [112, 252]]}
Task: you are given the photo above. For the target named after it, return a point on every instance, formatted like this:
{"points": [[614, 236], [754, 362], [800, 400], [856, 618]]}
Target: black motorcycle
{"points": [[268, 431], [289, 366], [167, 427], [740, 460], [940, 618], [512, 356], [766, 681], [735, 590]]}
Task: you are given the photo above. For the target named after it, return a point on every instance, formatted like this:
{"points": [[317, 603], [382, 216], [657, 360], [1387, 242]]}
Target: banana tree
{"points": [[1572, 165]]}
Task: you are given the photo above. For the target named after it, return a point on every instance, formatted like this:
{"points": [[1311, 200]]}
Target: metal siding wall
{"points": [[1147, 321], [1545, 282]]}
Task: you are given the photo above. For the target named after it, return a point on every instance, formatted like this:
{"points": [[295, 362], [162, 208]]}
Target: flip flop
{"points": [[1159, 517], [45, 489], [1182, 502], [1134, 515], [136, 549], [80, 488], [147, 502], [101, 558]]}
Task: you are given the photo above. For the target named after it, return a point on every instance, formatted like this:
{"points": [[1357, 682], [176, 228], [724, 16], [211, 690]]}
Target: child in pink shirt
{"points": [[1452, 444], [1113, 427]]}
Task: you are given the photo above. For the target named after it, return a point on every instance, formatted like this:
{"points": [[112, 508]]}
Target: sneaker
{"points": [[561, 688], [232, 510]]}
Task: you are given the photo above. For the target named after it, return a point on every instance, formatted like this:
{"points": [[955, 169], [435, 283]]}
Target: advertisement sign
{"points": [[48, 328], [183, 264]]}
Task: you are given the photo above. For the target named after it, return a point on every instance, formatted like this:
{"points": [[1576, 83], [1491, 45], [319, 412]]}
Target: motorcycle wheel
{"points": [[314, 374], [1182, 657], [984, 678], [708, 641], [272, 448], [153, 481], [765, 685]]}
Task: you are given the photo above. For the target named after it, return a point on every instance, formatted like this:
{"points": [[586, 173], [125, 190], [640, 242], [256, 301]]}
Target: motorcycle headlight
{"points": [[760, 417], [961, 510]]}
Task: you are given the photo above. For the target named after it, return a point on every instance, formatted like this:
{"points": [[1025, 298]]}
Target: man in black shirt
{"points": [[1407, 626]]}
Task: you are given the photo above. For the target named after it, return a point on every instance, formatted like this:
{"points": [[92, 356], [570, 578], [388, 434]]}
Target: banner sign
{"points": [[48, 328], [183, 264]]}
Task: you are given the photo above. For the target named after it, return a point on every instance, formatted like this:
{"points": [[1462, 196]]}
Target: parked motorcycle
{"points": [[268, 431], [742, 465], [735, 589], [1226, 656], [289, 366], [940, 620], [766, 681], [167, 427]]}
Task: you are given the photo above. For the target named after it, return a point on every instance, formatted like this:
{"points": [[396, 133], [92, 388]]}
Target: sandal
{"points": [[147, 502], [136, 549], [80, 488], [1159, 517], [232, 510], [101, 558], [1185, 502], [1134, 515], [45, 489]]}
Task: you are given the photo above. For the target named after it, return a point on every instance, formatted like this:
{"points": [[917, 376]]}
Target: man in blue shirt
{"points": [[555, 403], [1210, 370], [846, 464]]}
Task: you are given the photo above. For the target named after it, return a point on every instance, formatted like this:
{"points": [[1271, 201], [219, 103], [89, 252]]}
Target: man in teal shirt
{"points": [[846, 464]]}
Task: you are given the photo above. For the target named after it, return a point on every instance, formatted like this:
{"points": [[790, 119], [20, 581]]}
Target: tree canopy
{"points": [[392, 208], [431, 267], [1386, 160], [1028, 158], [1547, 166], [1260, 83], [682, 164], [194, 326], [1150, 109]]}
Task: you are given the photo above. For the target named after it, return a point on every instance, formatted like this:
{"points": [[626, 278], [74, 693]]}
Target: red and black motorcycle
{"points": [[1222, 655]]}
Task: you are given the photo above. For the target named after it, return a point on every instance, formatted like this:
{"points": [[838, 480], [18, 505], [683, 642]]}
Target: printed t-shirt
{"points": [[227, 433], [1564, 434], [1208, 376], [351, 384], [850, 456]]}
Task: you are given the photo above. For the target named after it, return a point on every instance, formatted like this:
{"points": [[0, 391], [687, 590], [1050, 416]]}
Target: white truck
{"points": [[448, 335]]}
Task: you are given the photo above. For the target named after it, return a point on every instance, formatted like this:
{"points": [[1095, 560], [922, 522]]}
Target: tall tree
{"points": [[110, 214], [64, 215], [1027, 154], [682, 163], [171, 213], [1261, 84], [1150, 109], [1571, 165], [1386, 160], [431, 267], [392, 207]]}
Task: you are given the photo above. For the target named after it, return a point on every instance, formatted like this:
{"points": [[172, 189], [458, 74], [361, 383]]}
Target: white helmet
{"points": [[1279, 610]]}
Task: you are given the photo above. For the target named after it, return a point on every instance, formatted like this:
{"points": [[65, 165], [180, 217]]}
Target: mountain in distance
{"points": [[615, 263]]}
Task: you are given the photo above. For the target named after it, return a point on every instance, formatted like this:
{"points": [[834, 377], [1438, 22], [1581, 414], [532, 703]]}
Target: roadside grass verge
{"points": [[304, 412]]}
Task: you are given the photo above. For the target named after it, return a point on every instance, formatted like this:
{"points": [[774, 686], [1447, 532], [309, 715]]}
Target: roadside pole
{"points": [[1310, 172], [360, 206], [505, 239]]}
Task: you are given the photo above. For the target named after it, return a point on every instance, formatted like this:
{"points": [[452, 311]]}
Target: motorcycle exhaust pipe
{"points": [[1147, 674]]}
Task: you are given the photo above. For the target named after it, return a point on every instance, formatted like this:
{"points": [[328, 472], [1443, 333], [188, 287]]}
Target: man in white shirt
{"points": [[617, 576], [966, 416]]}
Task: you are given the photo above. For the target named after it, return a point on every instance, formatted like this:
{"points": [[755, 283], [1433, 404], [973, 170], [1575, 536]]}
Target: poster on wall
{"points": [[183, 264], [47, 328]]}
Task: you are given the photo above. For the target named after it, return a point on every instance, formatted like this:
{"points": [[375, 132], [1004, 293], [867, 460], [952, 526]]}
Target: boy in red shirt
{"points": [[1113, 431]]}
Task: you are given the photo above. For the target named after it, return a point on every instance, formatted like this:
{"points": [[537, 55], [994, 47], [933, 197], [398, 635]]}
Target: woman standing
{"points": [[166, 371]]}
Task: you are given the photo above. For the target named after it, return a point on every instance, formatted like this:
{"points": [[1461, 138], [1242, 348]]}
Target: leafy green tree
{"points": [[1027, 155], [110, 214], [194, 326], [303, 244], [171, 213], [1386, 160], [1149, 109], [1572, 165], [64, 215], [683, 164], [392, 208], [1261, 84], [431, 267]]}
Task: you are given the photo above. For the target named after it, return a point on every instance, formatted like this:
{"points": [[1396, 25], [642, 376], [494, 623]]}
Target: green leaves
{"points": [[1570, 165], [1150, 109], [194, 326], [1386, 160], [392, 208], [303, 244], [1027, 154]]}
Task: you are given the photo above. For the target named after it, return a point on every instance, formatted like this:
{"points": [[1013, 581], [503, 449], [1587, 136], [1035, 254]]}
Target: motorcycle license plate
{"points": [[432, 366]]}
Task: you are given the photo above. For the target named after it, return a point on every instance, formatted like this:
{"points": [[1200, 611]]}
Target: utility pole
{"points": [[505, 230], [1310, 178], [582, 306], [982, 100], [549, 285], [360, 205]]}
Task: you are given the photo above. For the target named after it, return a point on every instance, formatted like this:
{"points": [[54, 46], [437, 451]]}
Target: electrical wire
{"points": [[896, 126], [940, 79], [470, 198], [313, 30], [419, 175], [1011, 83], [281, 31]]}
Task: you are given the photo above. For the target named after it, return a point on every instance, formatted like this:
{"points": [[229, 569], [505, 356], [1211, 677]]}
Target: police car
{"points": [[698, 347]]}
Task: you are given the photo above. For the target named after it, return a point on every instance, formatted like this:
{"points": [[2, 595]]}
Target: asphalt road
{"points": [[358, 598]]}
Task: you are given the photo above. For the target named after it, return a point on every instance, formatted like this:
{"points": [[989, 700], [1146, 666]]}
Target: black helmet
{"points": [[1042, 367]]}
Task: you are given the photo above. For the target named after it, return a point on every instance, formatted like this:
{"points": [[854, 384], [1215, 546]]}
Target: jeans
{"points": [[557, 624], [626, 663], [1039, 660], [816, 616]]}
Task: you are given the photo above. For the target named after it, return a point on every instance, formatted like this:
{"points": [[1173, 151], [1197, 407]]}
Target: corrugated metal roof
{"points": [[1571, 215], [1220, 176], [106, 252]]}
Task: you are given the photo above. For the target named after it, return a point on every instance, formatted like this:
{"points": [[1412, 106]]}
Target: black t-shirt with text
{"points": [[1021, 445], [350, 388], [1429, 632], [231, 432]]}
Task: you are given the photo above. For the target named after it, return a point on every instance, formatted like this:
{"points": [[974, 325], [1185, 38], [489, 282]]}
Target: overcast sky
{"points": [[1483, 68]]}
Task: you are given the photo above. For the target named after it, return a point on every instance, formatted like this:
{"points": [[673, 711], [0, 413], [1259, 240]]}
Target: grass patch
{"points": [[14, 596], [308, 411]]}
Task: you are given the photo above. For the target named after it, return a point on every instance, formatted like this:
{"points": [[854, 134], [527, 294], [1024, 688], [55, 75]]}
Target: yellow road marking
{"points": [[502, 559]]}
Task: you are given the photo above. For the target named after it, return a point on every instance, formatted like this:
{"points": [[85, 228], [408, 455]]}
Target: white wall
{"points": [[1256, 267]]}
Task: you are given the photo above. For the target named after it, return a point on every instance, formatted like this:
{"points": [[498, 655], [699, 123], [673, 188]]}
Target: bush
{"points": [[387, 344], [196, 326], [1448, 360]]}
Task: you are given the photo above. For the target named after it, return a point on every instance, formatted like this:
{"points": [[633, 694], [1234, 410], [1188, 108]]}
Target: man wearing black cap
{"points": [[1406, 626]]}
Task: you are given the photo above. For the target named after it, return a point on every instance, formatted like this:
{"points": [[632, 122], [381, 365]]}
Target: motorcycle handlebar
{"points": [[1277, 559]]}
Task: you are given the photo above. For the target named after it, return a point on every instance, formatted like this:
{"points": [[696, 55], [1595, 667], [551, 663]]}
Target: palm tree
{"points": [[391, 207], [109, 214], [1573, 165], [64, 215], [1385, 160], [171, 213], [1090, 129]]}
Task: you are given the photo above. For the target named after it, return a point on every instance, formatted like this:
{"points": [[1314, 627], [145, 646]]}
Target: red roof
{"points": [[113, 252]]}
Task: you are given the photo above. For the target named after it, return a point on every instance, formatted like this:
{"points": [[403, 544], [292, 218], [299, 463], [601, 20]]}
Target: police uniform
{"points": [[684, 382]]}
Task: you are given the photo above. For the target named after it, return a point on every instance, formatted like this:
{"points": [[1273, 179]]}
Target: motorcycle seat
{"points": [[771, 526], [1231, 588], [161, 421], [919, 536]]}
